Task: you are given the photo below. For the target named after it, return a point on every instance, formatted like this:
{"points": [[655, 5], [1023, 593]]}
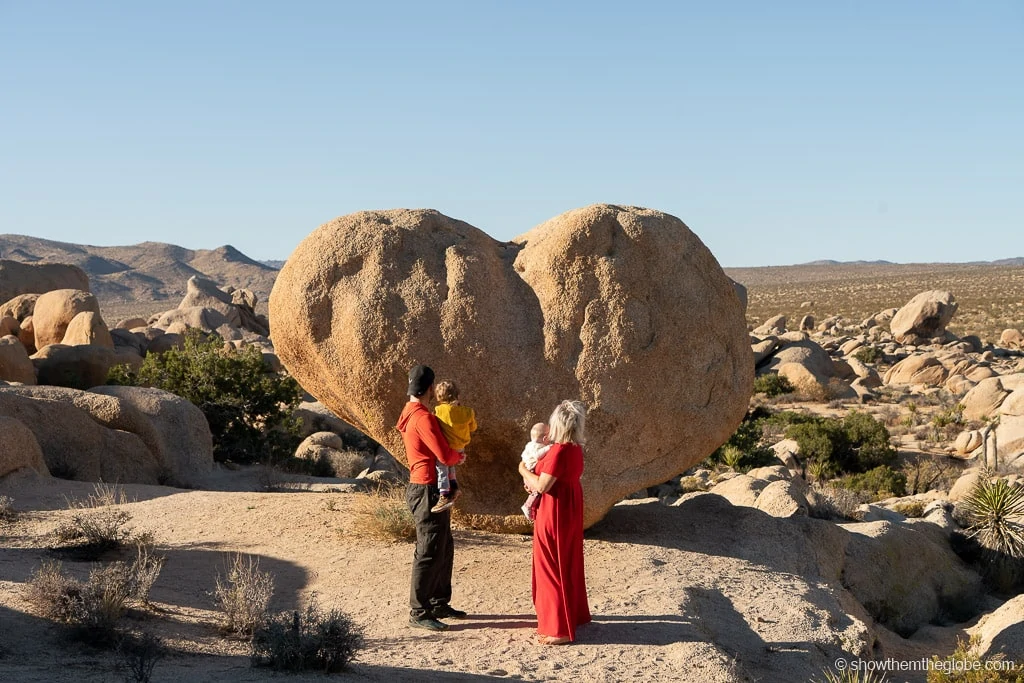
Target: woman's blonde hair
{"points": [[568, 423], [446, 391]]}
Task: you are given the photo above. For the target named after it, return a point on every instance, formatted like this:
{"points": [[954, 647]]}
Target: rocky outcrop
{"points": [[75, 446], [178, 433], [15, 365], [19, 449], [923, 317], [80, 367], [87, 328], [591, 305], [38, 278], [55, 310]]}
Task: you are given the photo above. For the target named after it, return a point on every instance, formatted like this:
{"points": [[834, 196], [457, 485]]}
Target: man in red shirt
{"points": [[431, 589]]}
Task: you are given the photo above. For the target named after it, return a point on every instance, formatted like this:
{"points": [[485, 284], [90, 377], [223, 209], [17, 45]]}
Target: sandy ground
{"points": [[695, 593]]}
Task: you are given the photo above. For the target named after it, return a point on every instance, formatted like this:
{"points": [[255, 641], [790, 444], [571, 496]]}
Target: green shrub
{"points": [[868, 354], [312, 639], [870, 441], [965, 666], [857, 443], [248, 408], [880, 482], [747, 447], [772, 384]]}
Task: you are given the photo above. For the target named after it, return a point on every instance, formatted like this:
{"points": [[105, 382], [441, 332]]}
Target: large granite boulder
{"points": [[920, 368], [55, 310], [80, 367], [177, 431], [923, 317], [621, 307], [19, 449], [75, 445], [87, 328], [15, 365], [37, 278]]}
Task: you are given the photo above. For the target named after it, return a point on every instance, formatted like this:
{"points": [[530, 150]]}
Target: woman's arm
{"points": [[541, 483]]}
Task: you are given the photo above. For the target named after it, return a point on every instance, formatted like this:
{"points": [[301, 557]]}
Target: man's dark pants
{"points": [[435, 552]]}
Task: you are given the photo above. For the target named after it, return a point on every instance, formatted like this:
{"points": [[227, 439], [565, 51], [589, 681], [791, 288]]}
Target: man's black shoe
{"points": [[428, 623], [448, 612]]}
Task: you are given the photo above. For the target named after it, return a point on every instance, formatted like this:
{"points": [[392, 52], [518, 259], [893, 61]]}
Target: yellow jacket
{"points": [[457, 421]]}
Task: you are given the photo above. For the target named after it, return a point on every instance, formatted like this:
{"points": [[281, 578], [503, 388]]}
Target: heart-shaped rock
{"points": [[621, 307]]}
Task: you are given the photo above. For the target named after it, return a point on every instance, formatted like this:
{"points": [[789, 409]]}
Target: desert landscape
{"points": [[792, 471]]}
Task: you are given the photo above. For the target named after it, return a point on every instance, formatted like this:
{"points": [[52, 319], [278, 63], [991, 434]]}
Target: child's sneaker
{"points": [[443, 503]]}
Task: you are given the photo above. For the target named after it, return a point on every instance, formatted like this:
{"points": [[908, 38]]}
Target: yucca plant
{"points": [[732, 457], [995, 514], [850, 676]]}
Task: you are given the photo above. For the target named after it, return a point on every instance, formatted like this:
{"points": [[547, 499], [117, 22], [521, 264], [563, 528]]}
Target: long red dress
{"points": [[559, 585]]}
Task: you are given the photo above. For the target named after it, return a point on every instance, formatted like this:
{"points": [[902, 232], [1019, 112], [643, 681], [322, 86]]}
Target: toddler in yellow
{"points": [[457, 423]]}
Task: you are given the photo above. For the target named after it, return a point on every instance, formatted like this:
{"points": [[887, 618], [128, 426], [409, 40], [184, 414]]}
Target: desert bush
{"points": [[91, 609], [856, 443], [384, 515], [832, 502], [746, 448], [850, 676], [145, 571], [880, 482], [772, 385], [925, 473], [243, 594], [7, 512], [692, 484], [868, 354], [311, 639], [103, 495], [248, 408], [909, 508], [96, 530], [140, 653], [965, 666]]}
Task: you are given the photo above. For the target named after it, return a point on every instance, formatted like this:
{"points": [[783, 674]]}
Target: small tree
{"points": [[249, 409]]}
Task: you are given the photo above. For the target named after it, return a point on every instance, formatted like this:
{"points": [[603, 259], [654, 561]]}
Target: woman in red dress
{"points": [[559, 585]]}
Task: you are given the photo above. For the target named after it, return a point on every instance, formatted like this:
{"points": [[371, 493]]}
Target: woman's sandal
{"points": [[552, 640]]}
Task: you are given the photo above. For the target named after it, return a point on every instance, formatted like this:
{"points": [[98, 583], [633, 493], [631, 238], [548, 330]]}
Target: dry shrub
{"points": [[139, 653], [311, 639], [965, 666], [909, 508], [91, 609], [96, 531], [103, 495], [145, 571], [384, 515], [243, 594], [7, 512], [832, 502]]}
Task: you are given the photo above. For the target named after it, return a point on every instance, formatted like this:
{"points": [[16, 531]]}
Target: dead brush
{"points": [[384, 515], [103, 495], [243, 594], [7, 512], [93, 608], [95, 531]]}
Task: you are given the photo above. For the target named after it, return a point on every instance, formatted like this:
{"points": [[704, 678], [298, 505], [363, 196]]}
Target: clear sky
{"points": [[780, 132]]}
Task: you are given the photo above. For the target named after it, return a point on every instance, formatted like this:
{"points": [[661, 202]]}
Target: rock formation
{"points": [[623, 308]]}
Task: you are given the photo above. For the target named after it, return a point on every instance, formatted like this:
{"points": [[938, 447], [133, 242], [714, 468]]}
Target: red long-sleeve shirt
{"points": [[424, 443]]}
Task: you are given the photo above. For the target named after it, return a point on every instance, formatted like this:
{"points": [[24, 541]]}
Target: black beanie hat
{"points": [[421, 378]]}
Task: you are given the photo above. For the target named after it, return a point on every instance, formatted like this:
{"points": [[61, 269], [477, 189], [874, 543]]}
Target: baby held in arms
{"points": [[536, 449]]}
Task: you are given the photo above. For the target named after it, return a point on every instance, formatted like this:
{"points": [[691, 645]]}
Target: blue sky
{"points": [[779, 132]]}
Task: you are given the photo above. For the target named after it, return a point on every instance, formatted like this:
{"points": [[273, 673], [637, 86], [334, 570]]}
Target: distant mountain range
{"points": [[1018, 261], [151, 271]]}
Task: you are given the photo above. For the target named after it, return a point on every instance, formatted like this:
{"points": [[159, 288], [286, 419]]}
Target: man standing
{"points": [[432, 562]]}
